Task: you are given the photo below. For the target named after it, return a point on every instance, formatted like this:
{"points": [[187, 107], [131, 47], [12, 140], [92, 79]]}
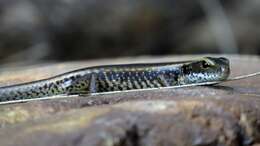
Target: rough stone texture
{"points": [[224, 115]]}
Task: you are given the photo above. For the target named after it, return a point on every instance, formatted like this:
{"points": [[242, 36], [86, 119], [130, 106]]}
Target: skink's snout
{"points": [[224, 60], [224, 66]]}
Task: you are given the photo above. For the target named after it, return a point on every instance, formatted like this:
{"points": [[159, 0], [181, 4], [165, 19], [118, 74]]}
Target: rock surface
{"points": [[227, 114]]}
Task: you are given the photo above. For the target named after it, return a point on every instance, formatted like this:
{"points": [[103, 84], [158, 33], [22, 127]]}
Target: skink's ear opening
{"points": [[185, 69]]}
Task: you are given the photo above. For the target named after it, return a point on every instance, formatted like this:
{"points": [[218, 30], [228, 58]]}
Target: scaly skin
{"points": [[121, 77]]}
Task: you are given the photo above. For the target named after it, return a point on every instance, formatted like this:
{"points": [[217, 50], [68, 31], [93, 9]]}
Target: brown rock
{"points": [[222, 115]]}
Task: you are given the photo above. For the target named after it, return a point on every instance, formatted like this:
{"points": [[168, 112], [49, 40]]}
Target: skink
{"points": [[123, 77]]}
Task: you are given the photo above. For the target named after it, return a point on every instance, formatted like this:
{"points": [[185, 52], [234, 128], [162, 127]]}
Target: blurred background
{"points": [[33, 31]]}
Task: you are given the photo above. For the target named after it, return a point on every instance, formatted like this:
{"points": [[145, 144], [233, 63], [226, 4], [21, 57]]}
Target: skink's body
{"points": [[121, 77]]}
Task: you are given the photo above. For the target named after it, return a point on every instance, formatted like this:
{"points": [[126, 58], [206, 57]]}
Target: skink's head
{"points": [[207, 69]]}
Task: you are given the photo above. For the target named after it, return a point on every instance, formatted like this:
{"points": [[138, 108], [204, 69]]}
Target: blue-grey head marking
{"points": [[208, 69]]}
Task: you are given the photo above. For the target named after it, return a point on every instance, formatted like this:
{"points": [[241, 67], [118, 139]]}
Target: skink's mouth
{"points": [[221, 68]]}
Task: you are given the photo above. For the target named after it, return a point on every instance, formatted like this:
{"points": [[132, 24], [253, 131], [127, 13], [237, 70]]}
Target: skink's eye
{"points": [[205, 64]]}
